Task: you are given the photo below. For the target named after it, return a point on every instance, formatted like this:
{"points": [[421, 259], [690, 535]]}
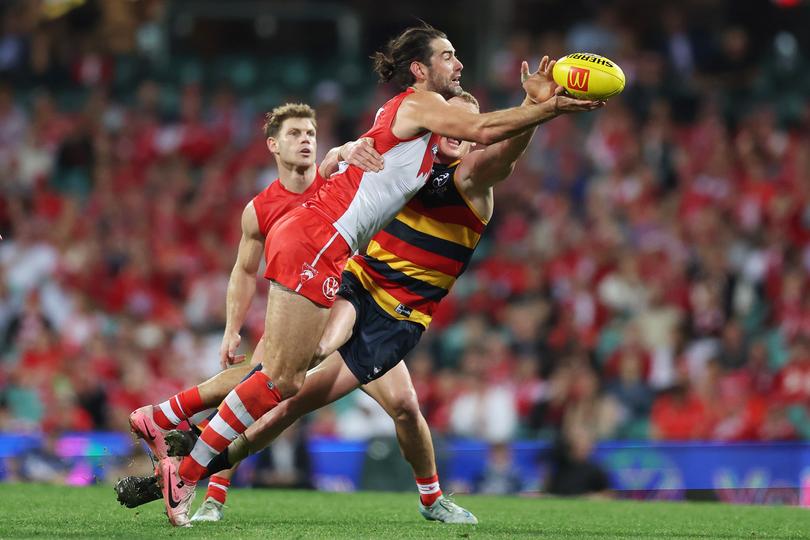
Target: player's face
{"points": [[444, 72], [452, 149], [295, 143]]}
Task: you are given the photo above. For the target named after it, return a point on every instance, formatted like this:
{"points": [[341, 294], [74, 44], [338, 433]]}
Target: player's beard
{"points": [[455, 89], [444, 86]]}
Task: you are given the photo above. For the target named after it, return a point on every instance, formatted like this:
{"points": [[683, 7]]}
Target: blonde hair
{"points": [[469, 98], [276, 117]]}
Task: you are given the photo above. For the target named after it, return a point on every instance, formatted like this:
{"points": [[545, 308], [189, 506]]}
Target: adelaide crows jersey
{"points": [[412, 263]]}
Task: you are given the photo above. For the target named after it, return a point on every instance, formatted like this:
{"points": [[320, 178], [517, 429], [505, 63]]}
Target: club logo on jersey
{"points": [[403, 310], [578, 78], [330, 287], [307, 272], [440, 180]]}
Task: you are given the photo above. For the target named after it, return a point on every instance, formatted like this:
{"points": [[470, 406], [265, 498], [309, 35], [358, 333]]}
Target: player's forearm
{"points": [[498, 126], [507, 152], [332, 159], [329, 164], [241, 288]]}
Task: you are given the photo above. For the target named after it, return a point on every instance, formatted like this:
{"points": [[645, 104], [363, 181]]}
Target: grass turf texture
{"points": [[62, 512]]}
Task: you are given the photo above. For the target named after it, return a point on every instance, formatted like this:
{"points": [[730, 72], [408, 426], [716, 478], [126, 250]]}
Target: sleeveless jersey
{"points": [[276, 200], [357, 203], [412, 263]]}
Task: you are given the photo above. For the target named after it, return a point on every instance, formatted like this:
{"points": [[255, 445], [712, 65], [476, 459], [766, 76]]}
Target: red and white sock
{"points": [[174, 410], [218, 488], [429, 489], [242, 406]]}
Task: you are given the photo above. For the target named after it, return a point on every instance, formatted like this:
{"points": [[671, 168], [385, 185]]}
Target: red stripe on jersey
{"points": [[337, 194], [457, 215], [384, 138], [403, 295], [418, 256]]}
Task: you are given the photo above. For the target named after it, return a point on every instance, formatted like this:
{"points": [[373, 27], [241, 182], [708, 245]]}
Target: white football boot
{"points": [[209, 510], [447, 511]]}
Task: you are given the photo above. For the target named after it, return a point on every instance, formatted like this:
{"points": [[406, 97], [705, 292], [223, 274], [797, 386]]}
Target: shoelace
{"points": [[451, 505], [209, 503]]}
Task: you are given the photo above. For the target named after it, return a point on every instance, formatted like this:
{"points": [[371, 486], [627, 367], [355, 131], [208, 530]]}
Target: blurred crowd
{"points": [[645, 275]]}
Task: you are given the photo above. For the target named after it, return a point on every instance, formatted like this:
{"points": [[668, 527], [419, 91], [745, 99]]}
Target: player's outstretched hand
{"points": [[540, 85], [361, 153], [564, 103], [227, 351]]}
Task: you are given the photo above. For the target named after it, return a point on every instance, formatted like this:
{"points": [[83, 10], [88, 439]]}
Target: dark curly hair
{"points": [[412, 45]]}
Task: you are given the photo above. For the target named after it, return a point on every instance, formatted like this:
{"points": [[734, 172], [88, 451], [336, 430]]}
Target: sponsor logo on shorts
{"points": [[403, 310], [330, 287], [307, 272]]}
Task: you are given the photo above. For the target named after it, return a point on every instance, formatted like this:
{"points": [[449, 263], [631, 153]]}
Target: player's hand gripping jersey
{"points": [[308, 249]]}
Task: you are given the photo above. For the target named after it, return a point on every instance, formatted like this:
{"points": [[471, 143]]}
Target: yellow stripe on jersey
{"points": [[428, 275], [471, 206], [446, 231], [381, 297]]}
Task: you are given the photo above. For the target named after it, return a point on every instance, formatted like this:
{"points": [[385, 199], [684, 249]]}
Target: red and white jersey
{"points": [[276, 200], [359, 204]]}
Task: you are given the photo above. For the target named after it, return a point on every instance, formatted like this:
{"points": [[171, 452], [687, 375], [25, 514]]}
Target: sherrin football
{"points": [[589, 76]]}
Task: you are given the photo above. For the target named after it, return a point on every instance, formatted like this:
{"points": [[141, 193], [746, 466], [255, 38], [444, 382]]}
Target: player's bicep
{"points": [[489, 167], [251, 245], [474, 174], [429, 111], [250, 254]]}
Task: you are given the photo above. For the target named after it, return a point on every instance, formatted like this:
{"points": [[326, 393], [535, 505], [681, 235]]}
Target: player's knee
{"points": [[289, 385], [320, 354], [405, 407]]}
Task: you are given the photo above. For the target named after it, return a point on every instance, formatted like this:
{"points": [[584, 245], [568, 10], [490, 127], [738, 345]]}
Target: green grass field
{"points": [[60, 512]]}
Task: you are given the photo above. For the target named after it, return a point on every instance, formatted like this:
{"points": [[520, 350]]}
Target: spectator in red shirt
{"points": [[679, 415]]}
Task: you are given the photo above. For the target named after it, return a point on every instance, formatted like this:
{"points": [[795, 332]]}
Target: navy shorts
{"points": [[378, 341]]}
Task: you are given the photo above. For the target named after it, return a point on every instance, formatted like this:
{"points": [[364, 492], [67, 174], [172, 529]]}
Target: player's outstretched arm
{"points": [[360, 153], [241, 285], [429, 111], [482, 169]]}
